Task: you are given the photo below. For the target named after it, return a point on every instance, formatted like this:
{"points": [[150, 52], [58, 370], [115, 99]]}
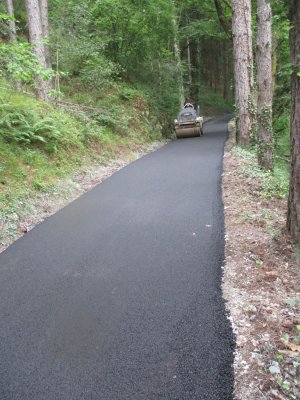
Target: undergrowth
{"points": [[274, 184]]}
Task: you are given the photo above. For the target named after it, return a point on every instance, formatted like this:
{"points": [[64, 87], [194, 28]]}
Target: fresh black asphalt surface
{"points": [[117, 296]]}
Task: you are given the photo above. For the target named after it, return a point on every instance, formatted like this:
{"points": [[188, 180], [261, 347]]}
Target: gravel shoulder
{"points": [[260, 285]]}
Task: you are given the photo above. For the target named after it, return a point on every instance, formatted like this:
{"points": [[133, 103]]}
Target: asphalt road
{"points": [[117, 296]]}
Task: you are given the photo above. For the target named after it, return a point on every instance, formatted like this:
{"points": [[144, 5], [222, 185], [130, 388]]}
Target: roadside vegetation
{"points": [[261, 197], [261, 277]]}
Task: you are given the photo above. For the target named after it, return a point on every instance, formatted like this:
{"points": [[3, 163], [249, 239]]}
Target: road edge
{"points": [[46, 204]]}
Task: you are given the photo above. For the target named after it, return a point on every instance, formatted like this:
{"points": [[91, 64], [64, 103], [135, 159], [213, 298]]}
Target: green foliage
{"points": [[274, 184], [210, 48], [30, 124], [22, 128], [203, 28], [18, 62], [211, 103], [102, 42], [5, 17], [128, 93], [282, 66], [4, 29], [108, 119], [97, 71]]}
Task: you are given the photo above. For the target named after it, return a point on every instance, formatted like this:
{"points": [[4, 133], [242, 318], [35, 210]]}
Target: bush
{"points": [[18, 63]]}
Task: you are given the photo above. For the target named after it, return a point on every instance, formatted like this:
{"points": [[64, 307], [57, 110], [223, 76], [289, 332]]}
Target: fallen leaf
{"points": [[272, 273], [293, 346], [288, 353]]}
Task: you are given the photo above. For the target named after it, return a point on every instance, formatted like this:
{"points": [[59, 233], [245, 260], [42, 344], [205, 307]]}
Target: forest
{"points": [[108, 54], [104, 67], [83, 83]]}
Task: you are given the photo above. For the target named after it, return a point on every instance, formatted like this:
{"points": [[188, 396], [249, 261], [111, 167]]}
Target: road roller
{"points": [[189, 123]]}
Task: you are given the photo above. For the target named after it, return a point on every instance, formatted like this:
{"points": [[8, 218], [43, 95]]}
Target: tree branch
{"points": [[225, 23]]}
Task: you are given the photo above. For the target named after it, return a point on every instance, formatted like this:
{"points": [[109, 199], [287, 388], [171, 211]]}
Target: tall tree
{"points": [[11, 23], [45, 29], [190, 81], [293, 217], [243, 68], [264, 84], [36, 39], [12, 31], [178, 58]]}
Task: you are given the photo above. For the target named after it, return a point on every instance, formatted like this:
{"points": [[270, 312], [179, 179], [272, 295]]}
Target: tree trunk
{"points": [[274, 61], [194, 71], [11, 24], [178, 59], [225, 71], [36, 39], [293, 218], [159, 69], [12, 32], [45, 29], [243, 68], [189, 65], [264, 84]]}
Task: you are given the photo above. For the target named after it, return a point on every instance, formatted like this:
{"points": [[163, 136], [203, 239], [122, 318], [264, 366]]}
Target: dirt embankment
{"points": [[261, 285]]}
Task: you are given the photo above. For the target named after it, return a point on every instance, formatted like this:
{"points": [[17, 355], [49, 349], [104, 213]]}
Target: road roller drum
{"points": [[189, 123]]}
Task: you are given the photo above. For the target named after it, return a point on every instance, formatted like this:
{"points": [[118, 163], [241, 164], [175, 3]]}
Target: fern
{"points": [[25, 128]]}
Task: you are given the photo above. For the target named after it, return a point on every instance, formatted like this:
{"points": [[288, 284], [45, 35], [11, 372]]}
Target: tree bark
{"points": [[243, 69], [45, 29], [189, 65], [36, 39], [226, 74], [199, 69], [293, 217], [12, 31], [178, 58], [264, 84], [274, 61], [11, 24]]}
